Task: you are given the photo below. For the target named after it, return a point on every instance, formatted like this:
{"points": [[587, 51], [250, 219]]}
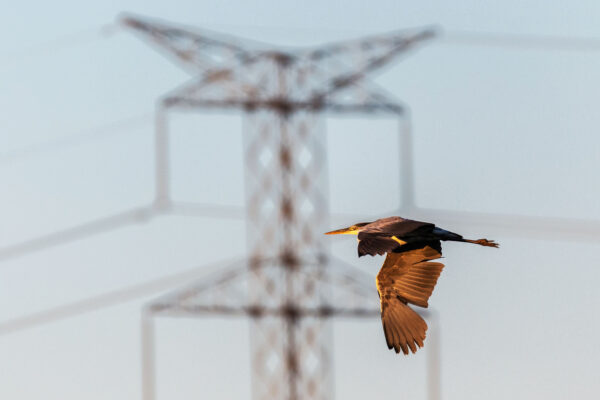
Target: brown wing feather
{"points": [[406, 278], [411, 275]]}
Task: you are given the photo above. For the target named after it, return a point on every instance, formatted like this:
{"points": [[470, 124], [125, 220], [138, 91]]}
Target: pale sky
{"points": [[497, 129]]}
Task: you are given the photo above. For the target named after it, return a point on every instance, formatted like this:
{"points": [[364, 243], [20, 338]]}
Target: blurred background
{"points": [[502, 113]]}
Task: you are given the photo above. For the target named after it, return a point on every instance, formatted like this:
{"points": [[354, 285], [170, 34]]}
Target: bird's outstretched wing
{"points": [[407, 277]]}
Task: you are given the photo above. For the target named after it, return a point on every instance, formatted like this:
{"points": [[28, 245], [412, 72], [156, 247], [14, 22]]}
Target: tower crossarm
{"points": [[346, 63], [198, 52]]}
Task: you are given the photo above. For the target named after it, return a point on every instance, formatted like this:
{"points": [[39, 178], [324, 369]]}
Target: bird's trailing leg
{"points": [[482, 242]]}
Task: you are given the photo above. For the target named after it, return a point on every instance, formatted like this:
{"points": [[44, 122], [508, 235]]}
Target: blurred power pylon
{"points": [[288, 287]]}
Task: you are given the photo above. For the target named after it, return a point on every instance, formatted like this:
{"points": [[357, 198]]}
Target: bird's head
{"points": [[351, 230]]}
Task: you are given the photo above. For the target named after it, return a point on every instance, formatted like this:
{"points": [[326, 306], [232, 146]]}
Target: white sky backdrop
{"points": [[496, 129]]}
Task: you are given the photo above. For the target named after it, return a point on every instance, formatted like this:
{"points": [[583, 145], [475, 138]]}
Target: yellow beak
{"points": [[343, 231]]}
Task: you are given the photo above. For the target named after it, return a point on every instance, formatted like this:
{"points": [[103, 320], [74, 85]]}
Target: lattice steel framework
{"points": [[288, 286]]}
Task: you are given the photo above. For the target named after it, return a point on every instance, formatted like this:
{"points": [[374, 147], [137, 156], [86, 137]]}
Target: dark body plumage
{"points": [[378, 237], [408, 275]]}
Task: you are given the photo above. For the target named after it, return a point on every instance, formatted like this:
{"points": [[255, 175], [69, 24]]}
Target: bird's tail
{"points": [[443, 234]]}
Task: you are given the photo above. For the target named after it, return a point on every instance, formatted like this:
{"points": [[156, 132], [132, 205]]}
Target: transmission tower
{"points": [[289, 288]]}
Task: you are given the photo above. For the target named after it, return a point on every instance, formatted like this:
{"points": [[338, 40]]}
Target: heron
{"points": [[408, 275]]}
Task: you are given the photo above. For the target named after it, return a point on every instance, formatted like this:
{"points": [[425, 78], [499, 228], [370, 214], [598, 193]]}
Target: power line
{"points": [[112, 298], [79, 232], [109, 223]]}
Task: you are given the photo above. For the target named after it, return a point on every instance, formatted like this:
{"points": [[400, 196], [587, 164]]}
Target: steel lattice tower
{"points": [[288, 286]]}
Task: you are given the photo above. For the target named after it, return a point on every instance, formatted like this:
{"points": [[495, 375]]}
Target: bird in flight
{"points": [[408, 274]]}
